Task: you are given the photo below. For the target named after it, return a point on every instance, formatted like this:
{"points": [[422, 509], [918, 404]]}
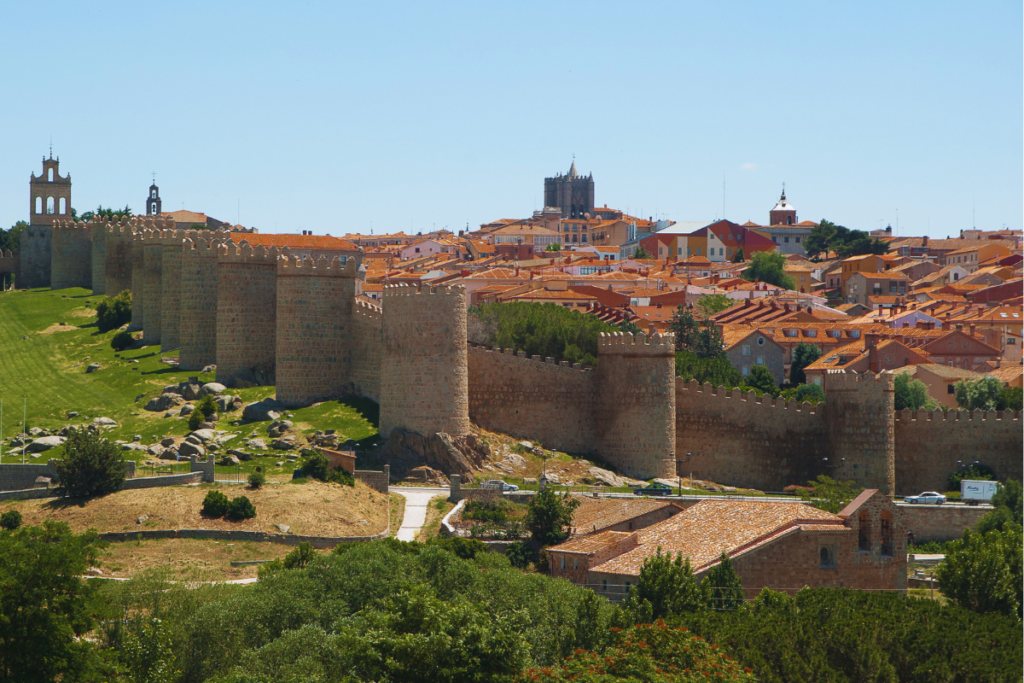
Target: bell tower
{"points": [[153, 200], [49, 194]]}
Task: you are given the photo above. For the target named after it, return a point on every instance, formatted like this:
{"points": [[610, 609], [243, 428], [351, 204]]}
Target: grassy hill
{"points": [[48, 338]]}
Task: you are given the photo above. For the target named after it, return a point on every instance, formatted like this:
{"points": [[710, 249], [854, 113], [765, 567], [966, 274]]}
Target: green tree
{"points": [[665, 587], [701, 338], [10, 520], [110, 213], [1008, 508], [977, 471], [549, 515], [630, 326], [982, 572], [92, 466], [710, 304], [46, 609], [738, 258], [723, 587], [10, 240], [827, 236], [148, 653], [761, 378], [829, 494], [1010, 398], [811, 393], [121, 340], [113, 312], [554, 246], [195, 420], [718, 371], [978, 394], [803, 355], [912, 393], [641, 253], [545, 330], [206, 406], [768, 266]]}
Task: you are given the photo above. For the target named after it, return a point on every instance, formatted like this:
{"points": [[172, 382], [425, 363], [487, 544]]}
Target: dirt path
{"points": [[416, 500]]}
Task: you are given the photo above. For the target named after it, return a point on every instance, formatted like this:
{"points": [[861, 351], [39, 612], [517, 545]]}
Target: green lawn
{"points": [[47, 370]]}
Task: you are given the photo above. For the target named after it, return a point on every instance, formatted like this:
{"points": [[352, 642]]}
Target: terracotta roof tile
{"points": [[294, 241]]}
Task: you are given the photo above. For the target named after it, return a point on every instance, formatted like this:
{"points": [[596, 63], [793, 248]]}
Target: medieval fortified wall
{"points": [[265, 316]]}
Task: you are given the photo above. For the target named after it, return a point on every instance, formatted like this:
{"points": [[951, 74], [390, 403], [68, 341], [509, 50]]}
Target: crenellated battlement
{"points": [[531, 361], [322, 267], [627, 342], [408, 290], [230, 252], [908, 415], [72, 227], [841, 380], [750, 398], [367, 309]]}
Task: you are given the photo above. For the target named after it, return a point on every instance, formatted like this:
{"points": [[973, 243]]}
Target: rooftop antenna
{"points": [[723, 196], [51, 146]]}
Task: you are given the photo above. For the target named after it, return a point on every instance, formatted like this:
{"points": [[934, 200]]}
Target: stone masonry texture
{"points": [[424, 376], [859, 417], [153, 264], [170, 284], [99, 256], [138, 280], [36, 257], [71, 256], [198, 305], [117, 256], [246, 311]]}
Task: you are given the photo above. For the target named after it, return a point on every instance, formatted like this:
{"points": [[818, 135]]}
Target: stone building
{"points": [[49, 201], [572, 193]]}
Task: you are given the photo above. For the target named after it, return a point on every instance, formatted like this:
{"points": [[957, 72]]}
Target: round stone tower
{"points": [[424, 369]]}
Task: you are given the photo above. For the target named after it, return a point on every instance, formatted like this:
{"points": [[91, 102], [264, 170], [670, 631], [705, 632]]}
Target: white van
{"points": [[974, 492]]}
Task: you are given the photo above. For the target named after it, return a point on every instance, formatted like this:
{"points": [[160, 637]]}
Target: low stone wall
{"points": [[941, 522], [378, 481], [163, 480], [16, 477], [27, 494], [320, 542]]}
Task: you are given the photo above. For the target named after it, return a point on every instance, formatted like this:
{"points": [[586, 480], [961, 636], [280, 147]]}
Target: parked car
{"points": [[499, 485], [926, 498], [974, 491], [653, 490]]}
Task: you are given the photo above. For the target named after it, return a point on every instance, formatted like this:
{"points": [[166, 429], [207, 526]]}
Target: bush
{"points": [[241, 508], [300, 556], [114, 312], [122, 340], [811, 393], [195, 418], [546, 330], [976, 471], [206, 405], [315, 465], [92, 466], [215, 504], [547, 516], [982, 572], [519, 554], [490, 512], [10, 520], [257, 479]]}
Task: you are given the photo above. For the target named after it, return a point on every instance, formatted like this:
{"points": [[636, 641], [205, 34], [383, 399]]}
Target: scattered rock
{"points": [[190, 392], [427, 475], [92, 367], [171, 413], [227, 403], [44, 443], [164, 402], [188, 449], [187, 409], [93, 571], [104, 422], [169, 454], [529, 480], [551, 478], [279, 463], [262, 411], [137, 437], [285, 444], [241, 455], [363, 522], [230, 460], [167, 441], [156, 449], [203, 435], [142, 519], [610, 478], [209, 368], [35, 431], [256, 443], [206, 425], [214, 388], [133, 447], [283, 528], [72, 414]]}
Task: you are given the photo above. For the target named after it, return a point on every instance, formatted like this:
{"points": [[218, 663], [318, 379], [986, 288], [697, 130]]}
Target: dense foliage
{"points": [[978, 394], [760, 378], [1010, 398], [215, 504], [121, 340], [701, 337], [718, 371], [803, 355], [769, 266], [10, 240], [642, 253], [315, 465], [912, 394], [982, 571], [710, 304], [549, 515], [113, 312], [828, 494], [10, 520], [1008, 504], [92, 466], [544, 330], [827, 236], [811, 393]]}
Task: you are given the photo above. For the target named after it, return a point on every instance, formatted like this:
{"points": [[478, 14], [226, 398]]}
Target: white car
{"points": [[499, 485], [926, 498]]}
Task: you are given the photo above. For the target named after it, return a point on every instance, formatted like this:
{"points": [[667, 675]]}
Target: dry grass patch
{"points": [[396, 507], [312, 509], [437, 508], [188, 559], [57, 327]]}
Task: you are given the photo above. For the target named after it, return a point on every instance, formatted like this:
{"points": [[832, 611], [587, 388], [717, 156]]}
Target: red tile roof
{"points": [[294, 241]]}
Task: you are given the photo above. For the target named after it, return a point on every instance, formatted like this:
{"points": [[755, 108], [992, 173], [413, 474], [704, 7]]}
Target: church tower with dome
{"points": [[784, 213]]}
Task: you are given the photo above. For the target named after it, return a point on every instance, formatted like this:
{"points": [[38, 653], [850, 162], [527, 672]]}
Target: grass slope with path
{"points": [[49, 337]]}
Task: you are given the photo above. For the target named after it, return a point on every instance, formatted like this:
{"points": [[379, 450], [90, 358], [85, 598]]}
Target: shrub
{"points": [[315, 465], [811, 393], [122, 340], [257, 479], [548, 515], [976, 471], [10, 520], [92, 466], [544, 330], [195, 419], [300, 556], [206, 406], [519, 554], [241, 508], [114, 312], [489, 512], [465, 548], [215, 504]]}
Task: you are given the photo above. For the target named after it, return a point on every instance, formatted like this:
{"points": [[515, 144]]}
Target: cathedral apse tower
{"points": [[572, 193]]}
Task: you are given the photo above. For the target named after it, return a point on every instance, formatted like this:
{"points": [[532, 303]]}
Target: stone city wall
{"points": [[314, 328], [737, 439], [424, 378], [635, 419], [378, 480], [152, 271], [198, 304], [10, 266], [170, 286], [36, 257], [117, 257], [365, 354], [929, 445], [138, 280], [859, 418], [98, 267], [246, 314], [71, 255], [528, 398], [941, 522]]}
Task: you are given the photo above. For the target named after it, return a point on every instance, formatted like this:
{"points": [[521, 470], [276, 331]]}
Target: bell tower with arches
{"points": [[153, 200], [49, 194]]}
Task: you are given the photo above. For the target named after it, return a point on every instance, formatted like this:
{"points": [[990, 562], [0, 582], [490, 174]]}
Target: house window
{"points": [[575, 563], [745, 370], [827, 557], [798, 240], [746, 349], [950, 388], [787, 239], [563, 562], [887, 533], [760, 360], [864, 532], [760, 341]]}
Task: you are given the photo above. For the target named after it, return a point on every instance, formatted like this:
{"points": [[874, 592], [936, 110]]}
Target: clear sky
{"points": [[337, 117]]}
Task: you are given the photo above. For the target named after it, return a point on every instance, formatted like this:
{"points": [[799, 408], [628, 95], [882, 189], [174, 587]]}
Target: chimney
{"points": [[972, 326], [924, 242], [972, 330]]}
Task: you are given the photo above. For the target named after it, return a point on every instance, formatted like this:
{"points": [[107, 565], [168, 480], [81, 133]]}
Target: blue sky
{"points": [[333, 118]]}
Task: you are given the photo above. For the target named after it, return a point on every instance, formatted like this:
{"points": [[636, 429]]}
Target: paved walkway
{"points": [[416, 500]]}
